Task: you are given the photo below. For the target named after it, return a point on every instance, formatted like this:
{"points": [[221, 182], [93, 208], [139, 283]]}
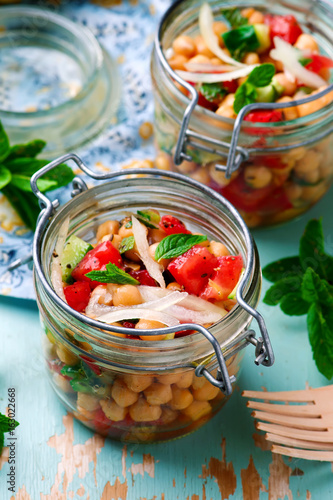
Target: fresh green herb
{"points": [[304, 285], [241, 40], [247, 93], [17, 165], [234, 17], [84, 379], [112, 275], [126, 244], [128, 224], [212, 91], [305, 90], [177, 244], [6, 425], [305, 60]]}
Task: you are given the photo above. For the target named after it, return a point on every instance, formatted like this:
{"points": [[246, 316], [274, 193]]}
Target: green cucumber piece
{"points": [[262, 32], [74, 252], [266, 94]]}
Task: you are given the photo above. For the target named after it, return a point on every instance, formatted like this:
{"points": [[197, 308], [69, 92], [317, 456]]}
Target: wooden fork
{"points": [[305, 428]]}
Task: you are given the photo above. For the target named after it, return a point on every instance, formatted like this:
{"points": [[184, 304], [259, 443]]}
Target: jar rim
{"points": [[81, 33]]}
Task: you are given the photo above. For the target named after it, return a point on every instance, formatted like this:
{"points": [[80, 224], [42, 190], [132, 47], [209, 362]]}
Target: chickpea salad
{"points": [[251, 57], [146, 271]]}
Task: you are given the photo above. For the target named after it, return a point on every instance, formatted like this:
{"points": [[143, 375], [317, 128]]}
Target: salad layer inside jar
{"points": [[236, 57], [146, 271]]}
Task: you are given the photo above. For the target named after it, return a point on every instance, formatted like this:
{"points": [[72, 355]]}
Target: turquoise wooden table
{"points": [[58, 459]]}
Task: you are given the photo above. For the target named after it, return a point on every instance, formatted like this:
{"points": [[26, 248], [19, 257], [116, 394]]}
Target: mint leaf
{"points": [[234, 17], [25, 204], [7, 424], [126, 244], [177, 244], [71, 371], [2, 441], [293, 304], [245, 94], [128, 224], [4, 144], [320, 329], [312, 252], [212, 91], [282, 287], [287, 267], [241, 40], [315, 289], [262, 75], [22, 182], [29, 150], [5, 176], [305, 60], [112, 275]]}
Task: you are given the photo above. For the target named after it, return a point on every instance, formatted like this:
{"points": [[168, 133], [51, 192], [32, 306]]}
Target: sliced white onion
{"points": [[125, 314], [140, 236], [56, 271], [189, 76], [208, 68], [94, 308], [206, 20], [289, 56], [190, 316]]}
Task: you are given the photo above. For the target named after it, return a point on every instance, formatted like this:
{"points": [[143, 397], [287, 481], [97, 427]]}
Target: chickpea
{"points": [[169, 378], [162, 161], [184, 45], [146, 130], [251, 58], [218, 249], [133, 254], [265, 58], [312, 107], [289, 88], [326, 170], [116, 240], [200, 59], [186, 167], [87, 401], [137, 383], [67, 356], [293, 191], [312, 177], [177, 62], [313, 193], [241, 80], [147, 324], [62, 383], [288, 113], [125, 232], [219, 28], [175, 287], [306, 42], [108, 227], [142, 411], [325, 73], [158, 394], [197, 409], [155, 235], [216, 61], [180, 87], [163, 262], [248, 12], [202, 48], [311, 161], [185, 380], [204, 243], [296, 153], [201, 175], [256, 18], [181, 398], [168, 416], [226, 112], [198, 382], [257, 176], [122, 395], [229, 100], [206, 392], [113, 411], [127, 295], [84, 415]]}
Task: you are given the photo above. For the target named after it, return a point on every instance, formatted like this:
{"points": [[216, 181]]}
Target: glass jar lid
{"points": [[50, 89]]}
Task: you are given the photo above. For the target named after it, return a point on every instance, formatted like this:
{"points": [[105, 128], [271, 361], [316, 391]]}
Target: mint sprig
{"points": [[126, 244], [6, 425], [304, 285], [261, 76], [176, 244], [212, 91], [112, 274], [234, 17]]}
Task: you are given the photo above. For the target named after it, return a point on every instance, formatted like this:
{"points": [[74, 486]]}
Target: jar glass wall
{"points": [[130, 389], [287, 181]]}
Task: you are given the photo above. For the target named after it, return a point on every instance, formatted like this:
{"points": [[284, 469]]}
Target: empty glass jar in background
{"points": [[287, 166], [134, 390]]}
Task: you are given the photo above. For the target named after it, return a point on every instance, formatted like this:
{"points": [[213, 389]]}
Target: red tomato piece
{"points": [[101, 422], [144, 277], [78, 295], [96, 260], [318, 63], [202, 101], [91, 363], [193, 269], [244, 197], [224, 279], [55, 365], [276, 202], [264, 116], [285, 27], [271, 162], [128, 324], [231, 86], [172, 225]]}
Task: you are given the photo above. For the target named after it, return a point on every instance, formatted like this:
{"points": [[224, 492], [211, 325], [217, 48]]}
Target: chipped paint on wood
{"points": [[223, 473], [81, 491], [308, 495], [174, 482], [278, 482], [261, 442], [251, 482], [123, 461], [4, 457], [203, 492], [22, 494], [148, 465], [117, 491]]}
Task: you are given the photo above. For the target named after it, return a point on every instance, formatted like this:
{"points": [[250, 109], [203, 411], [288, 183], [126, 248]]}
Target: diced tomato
{"points": [[202, 101], [274, 162], [55, 365], [244, 197], [264, 116], [193, 269], [224, 278], [285, 27], [318, 63], [276, 202], [78, 295], [128, 324], [231, 86], [101, 422], [172, 225], [91, 363], [96, 260], [144, 277]]}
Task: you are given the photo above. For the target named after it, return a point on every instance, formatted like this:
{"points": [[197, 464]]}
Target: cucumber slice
{"points": [[232, 295], [266, 94], [74, 252], [262, 32]]}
